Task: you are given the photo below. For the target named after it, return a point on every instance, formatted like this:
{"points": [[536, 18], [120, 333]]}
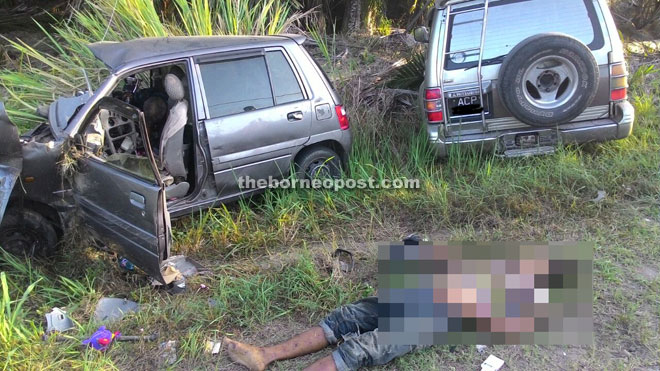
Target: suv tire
{"points": [[26, 232], [318, 162], [548, 79]]}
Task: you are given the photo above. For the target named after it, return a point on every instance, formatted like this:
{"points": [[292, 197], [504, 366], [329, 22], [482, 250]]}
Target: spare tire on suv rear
{"points": [[548, 79]]}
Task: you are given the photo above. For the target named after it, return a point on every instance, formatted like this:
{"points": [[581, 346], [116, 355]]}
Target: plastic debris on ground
{"points": [[126, 264], [213, 347], [481, 348], [101, 339], [178, 268], [175, 270], [492, 363], [602, 195], [57, 320], [114, 309], [168, 352]]}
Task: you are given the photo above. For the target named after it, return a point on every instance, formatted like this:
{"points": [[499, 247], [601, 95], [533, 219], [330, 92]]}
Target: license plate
{"points": [[466, 102], [527, 140]]}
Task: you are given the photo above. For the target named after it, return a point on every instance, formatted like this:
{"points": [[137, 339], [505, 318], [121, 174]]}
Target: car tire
{"points": [[318, 163], [548, 79], [26, 232]]}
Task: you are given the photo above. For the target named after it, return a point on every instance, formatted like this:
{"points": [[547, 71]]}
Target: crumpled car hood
{"points": [[11, 158]]}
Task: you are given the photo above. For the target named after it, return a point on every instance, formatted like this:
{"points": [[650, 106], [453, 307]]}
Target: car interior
{"points": [[114, 136]]}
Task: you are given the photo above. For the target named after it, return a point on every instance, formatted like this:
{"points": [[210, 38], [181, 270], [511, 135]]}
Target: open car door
{"points": [[121, 195], [11, 158]]}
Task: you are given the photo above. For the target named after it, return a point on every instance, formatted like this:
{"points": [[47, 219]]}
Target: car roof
{"points": [[117, 55]]}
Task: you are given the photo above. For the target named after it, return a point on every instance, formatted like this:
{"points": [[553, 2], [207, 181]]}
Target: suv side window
{"points": [[285, 84], [512, 21], [236, 86]]}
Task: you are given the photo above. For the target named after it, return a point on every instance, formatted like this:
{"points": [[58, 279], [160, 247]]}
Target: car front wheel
{"points": [[26, 232]]}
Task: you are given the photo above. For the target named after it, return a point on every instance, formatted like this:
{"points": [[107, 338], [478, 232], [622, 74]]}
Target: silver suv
{"points": [[174, 128], [523, 76]]}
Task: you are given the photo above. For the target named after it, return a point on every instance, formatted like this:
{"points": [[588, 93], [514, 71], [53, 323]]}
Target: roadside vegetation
{"points": [[270, 257]]}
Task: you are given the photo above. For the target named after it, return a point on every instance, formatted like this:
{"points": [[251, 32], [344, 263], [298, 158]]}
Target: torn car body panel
{"points": [[11, 158], [128, 210]]}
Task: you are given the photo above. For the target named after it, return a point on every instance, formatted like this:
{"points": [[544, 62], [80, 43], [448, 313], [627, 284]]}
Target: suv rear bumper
{"points": [[617, 127]]}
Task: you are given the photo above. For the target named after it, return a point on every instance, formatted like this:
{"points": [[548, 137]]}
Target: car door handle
{"points": [[138, 200], [295, 116]]}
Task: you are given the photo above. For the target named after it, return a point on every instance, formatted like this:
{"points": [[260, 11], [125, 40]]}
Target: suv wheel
{"points": [[318, 163], [548, 79], [26, 232]]}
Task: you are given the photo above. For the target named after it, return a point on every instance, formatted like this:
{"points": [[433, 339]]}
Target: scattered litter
{"points": [[170, 274], [57, 320], [213, 347], [178, 286], [177, 268], [121, 338], [203, 287], [114, 309], [126, 264], [602, 195], [185, 265], [492, 363], [168, 352], [481, 348], [101, 339]]}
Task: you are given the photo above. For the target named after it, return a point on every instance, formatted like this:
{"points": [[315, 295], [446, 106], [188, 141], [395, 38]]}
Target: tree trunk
{"points": [[353, 16]]}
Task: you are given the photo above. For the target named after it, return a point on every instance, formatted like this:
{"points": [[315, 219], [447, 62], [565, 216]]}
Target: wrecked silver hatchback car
{"points": [[172, 130]]}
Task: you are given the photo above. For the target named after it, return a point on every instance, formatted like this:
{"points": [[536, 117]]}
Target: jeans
{"points": [[357, 324]]}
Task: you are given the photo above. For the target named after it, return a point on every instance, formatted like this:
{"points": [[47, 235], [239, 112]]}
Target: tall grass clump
{"points": [[14, 330], [40, 76]]}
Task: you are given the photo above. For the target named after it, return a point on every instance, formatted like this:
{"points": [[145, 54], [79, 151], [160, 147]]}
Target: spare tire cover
{"points": [[548, 79]]}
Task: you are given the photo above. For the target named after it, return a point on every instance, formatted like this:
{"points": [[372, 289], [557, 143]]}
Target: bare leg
{"points": [[323, 364], [257, 358]]}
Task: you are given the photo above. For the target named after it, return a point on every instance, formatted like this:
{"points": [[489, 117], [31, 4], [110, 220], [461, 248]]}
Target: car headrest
{"points": [[174, 87], [155, 110]]}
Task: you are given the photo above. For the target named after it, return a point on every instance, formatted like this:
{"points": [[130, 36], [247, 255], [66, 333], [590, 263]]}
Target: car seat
{"points": [[171, 154]]}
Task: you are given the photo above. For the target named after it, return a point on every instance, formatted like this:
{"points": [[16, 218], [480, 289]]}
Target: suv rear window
{"points": [[512, 21], [243, 85]]}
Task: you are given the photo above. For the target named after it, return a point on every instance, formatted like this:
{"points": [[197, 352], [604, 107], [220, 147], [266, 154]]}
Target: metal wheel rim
{"points": [[321, 168], [554, 81]]}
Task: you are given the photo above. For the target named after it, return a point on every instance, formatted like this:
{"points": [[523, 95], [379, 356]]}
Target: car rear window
{"points": [[512, 21], [285, 85], [248, 84]]}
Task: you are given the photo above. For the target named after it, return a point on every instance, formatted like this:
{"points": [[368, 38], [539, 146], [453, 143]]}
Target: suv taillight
{"points": [[433, 105], [618, 82], [343, 117]]}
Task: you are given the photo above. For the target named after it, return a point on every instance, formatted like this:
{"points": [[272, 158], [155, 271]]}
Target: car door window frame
{"points": [[193, 95], [141, 127], [224, 57]]}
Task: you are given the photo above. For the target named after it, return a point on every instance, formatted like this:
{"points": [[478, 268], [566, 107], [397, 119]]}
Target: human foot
{"points": [[247, 355]]}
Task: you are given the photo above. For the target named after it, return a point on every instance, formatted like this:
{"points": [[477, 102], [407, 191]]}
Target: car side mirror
{"points": [[422, 34]]}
